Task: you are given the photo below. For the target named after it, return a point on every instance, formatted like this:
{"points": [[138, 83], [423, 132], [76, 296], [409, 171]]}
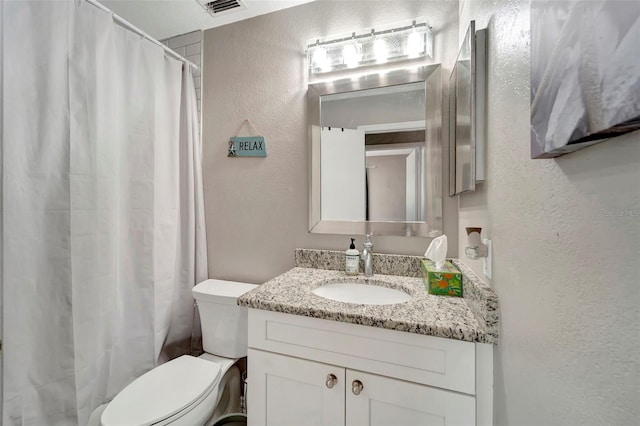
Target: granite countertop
{"points": [[473, 318]]}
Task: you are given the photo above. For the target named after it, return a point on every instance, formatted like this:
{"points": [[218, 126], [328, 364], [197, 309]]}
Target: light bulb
{"points": [[350, 55], [415, 45], [380, 51], [320, 58]]}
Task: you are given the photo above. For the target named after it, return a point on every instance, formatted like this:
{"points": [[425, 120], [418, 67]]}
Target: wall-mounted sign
{"points": [[248, 146]]}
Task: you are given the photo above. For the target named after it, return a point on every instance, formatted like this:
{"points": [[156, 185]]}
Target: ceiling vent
{"points": [[219, 7]]}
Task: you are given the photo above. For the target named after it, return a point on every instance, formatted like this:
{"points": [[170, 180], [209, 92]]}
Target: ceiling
{"points": [[167, 18]]}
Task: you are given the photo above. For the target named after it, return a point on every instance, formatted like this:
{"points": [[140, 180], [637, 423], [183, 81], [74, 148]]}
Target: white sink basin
{"points": [[362, 294]]}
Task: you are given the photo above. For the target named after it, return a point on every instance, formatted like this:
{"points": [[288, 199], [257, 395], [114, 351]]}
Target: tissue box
{"points": [[447, 281]]}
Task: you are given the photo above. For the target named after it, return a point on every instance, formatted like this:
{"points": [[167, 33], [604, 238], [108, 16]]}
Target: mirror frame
{"points": [[468, 184], [432, 227], [476, 43]]}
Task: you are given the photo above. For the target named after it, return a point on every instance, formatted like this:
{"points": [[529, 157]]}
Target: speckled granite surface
{"points": [[473, 318], [385, 264], [482, 301]]}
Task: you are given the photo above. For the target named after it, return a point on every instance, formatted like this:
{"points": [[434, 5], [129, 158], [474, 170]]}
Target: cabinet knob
{"points": [[356, 387], [332, 380]]}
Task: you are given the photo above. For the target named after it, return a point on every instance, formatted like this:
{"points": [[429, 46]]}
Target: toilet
{"points": [[190, 391]]}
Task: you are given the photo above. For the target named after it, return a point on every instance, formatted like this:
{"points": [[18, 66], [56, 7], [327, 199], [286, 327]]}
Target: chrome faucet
{"points": [[367, 257]]}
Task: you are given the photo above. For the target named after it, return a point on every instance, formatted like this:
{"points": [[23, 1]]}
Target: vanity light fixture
{"points": [[415, 44], [352, 53], [403, 41], [380, 50], [320, 60]]}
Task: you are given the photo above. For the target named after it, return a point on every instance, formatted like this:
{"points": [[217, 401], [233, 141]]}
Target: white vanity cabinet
{"points": [[302, 392], [308, 371]]}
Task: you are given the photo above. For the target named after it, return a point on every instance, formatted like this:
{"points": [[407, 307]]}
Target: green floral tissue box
{"points": [[445, 282]]}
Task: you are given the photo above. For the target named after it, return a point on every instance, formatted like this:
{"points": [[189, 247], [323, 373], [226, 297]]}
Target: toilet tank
{"points": [[224, 323]]}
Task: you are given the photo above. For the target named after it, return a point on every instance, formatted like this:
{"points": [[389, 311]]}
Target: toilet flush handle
{"points": [[332, 380], [356, 387]]}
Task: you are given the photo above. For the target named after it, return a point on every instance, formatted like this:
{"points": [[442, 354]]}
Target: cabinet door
{"points": [[383, 401], [283, 390]]}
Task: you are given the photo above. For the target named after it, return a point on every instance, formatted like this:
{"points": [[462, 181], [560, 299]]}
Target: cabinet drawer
{"points": [[444, 363]]}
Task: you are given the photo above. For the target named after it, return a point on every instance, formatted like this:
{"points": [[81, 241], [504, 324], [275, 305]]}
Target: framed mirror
{"points": [[376, 154], [466, 109]]}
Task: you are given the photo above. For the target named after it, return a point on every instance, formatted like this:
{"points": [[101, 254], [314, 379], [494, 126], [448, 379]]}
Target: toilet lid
{"points": [[162, 392]]}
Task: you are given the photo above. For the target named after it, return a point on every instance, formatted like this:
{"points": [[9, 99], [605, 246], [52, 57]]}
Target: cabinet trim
{"points": [[445, 363], [484, 384]]}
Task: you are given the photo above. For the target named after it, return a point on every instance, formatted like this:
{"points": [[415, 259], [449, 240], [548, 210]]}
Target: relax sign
{"points": [[252, 146]]}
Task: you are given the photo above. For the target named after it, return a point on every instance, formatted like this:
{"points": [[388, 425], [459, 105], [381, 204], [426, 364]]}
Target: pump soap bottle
{"points": [[352, 260]]}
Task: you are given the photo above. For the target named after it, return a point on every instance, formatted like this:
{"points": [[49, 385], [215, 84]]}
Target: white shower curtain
{"points": [[102, 210]]}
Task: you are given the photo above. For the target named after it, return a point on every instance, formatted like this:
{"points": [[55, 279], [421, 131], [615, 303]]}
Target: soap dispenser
{"points": [[352, 260]]}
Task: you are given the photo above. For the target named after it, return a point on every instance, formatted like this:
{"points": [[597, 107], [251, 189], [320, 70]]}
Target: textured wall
{"points": [[566, 267], [257, 208]]}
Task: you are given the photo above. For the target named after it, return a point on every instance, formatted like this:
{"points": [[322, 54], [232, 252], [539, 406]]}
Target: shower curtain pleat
{"points": [[191, 265], [102, 210]]}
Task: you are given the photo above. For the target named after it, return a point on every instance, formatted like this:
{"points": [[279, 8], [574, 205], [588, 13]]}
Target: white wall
{"points": [[567, 273], [366, 110], [257, 208], [387, 179]]}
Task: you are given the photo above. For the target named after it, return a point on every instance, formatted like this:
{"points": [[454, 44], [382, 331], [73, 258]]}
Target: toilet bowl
{"points": [[190, 391]]}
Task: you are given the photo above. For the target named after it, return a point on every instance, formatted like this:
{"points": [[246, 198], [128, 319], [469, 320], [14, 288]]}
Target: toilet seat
{"points": [[164, 393]]}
